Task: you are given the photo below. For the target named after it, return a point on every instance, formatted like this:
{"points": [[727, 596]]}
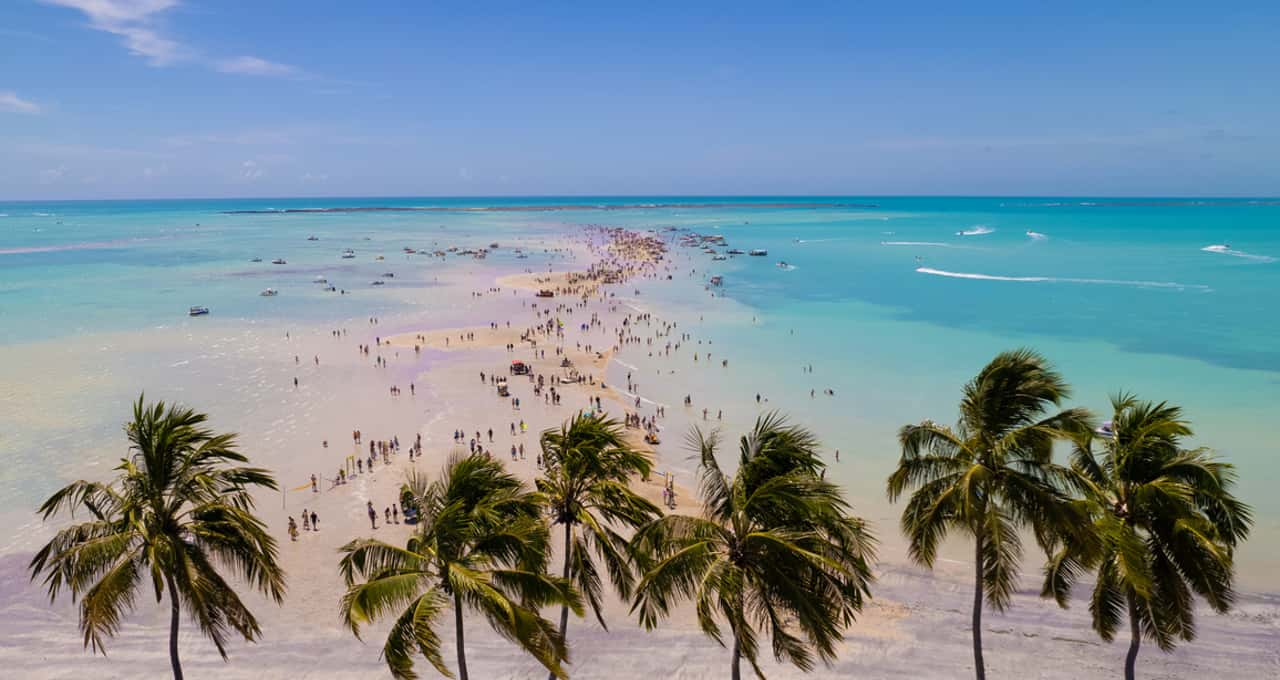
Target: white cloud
{"points": [[310, 178], [52, 175], [133, 20], [253, 66], [12, 103], [136, 21], [249, 170]]}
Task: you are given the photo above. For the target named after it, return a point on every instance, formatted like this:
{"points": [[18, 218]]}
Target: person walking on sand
{"points": [[293, 530], [306, 522], [315, 521], [314, 487]]}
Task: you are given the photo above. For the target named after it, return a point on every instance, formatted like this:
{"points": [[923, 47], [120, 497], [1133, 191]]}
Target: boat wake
{"points": [[978, 230], [1036, 236], [1055, 279], [1223, 249]]}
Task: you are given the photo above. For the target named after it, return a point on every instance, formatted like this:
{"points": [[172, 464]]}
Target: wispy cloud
{"points": [[253, 66], [138, 23], [250, 171], [10, 102]]}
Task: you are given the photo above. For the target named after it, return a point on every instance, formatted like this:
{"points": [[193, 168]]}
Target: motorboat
{"points": [[409, 251], [782, 264], [388, 275], [544, 293], [379, 258], [719, 257], [198, 311], [256, 259], [319, 279], [279, 260], [493, 246], [736, 251], [717, 280], [758, 252], [313, 237], [348, 254], [377, 282], [1106, 429], [270, 292]]}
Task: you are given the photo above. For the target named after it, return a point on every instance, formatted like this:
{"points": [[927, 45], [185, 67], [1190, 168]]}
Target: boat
{"points": [[319, 279], [379, 258], [1106, 429], [197, 311], [519, 368], [717, 280], [719, 257], [377, 282], [256, 259], [313, 237], [544, 293], [409, 251], [388, 275], [348, 254], [782, 264], [493, 246], [279, 260], [758, 252], [736, 251], [270, 292]]}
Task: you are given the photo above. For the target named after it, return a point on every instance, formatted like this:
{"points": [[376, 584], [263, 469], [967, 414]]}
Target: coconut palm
{"points": [[990, 475], [481, 545], [775, 550], [179, 511], [589, 467], [1164, 527]]}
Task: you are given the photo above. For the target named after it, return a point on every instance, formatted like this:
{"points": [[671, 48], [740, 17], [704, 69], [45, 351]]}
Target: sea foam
{"points": [[1055, 279]]}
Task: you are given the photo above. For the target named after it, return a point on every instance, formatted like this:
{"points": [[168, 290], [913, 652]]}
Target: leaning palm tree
{"points": [[990, 475], [481, 545], [1164, 527], [179, 511], [589, 467], [775, 550]]}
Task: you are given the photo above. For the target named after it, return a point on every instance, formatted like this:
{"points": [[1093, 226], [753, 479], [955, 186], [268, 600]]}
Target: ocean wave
{"points": [[1223, 249], [976, 230], [1055, 279]]}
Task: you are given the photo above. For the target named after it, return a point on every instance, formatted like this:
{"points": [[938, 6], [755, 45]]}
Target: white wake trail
{"points": [[1054, 279]]}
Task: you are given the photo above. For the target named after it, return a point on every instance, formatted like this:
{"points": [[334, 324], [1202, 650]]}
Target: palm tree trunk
{"points": [[173, 629], [457, 623], [1135, 639], [979, 667], [736, 673], [564, 609]]}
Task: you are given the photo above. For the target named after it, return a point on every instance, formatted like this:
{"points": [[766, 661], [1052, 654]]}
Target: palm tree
{"points": [[589, 467], [990, 475], [775, 550], [481, 544], [179, 511], [1164, 526]]}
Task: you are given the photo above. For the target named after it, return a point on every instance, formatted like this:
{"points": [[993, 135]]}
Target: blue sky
{"points": [[176, 98]]}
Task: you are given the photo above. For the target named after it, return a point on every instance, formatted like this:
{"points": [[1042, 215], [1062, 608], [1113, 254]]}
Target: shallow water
{"points": [[894, 306]]}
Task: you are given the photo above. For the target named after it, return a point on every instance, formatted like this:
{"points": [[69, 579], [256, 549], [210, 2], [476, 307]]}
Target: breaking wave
{"points": [[1055, 279]]}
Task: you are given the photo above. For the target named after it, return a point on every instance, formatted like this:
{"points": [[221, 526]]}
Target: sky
{"points": [[223, 98]]}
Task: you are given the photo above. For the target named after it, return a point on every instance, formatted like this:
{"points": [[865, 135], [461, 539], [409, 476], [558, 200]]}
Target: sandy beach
{"points": [[428, 383]]}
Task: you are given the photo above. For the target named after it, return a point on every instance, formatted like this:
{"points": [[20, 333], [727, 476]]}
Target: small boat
{"points": [[736, 251], [544, 293], [717, 280], [377, 282], [719, 257], [388, 275], [270, 292], [409, 251], [758, 252], [348, 254], [313, 237], [379, 258], [319, 279], [256, 259], [1106, 429], [279, 260], [493, 246], [198, 311], [782, 264]]}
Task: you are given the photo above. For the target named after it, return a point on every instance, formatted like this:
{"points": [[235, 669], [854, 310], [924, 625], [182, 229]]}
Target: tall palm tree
{"points": [[481, 544], [990, 475], [179, 510], [589, 467], [1164, 526], [775, 550]]}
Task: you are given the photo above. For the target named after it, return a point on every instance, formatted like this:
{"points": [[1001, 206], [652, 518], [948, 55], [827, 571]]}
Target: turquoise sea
{"points": [[894, 301]]}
